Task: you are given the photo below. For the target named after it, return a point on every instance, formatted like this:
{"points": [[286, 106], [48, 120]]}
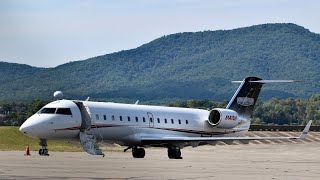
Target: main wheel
{"points": [[135, 152], [174, 153], [141, 153], [138, 152], [177, 154], [171, 153]]}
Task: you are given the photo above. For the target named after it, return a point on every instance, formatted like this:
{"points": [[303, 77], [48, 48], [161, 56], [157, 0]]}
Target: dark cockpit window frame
{"points": [[64, 111], [48, 111]]}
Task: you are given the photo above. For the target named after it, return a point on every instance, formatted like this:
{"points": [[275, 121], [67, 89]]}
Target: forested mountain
{"points": [[181, 66]]}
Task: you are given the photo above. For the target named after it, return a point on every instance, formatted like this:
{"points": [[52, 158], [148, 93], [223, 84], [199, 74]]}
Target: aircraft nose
{"points": [[34, 127], [24, 128], [29, 127]]}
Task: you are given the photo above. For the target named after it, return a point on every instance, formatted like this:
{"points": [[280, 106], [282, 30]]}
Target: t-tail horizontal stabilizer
{"points": [[269, 81]]}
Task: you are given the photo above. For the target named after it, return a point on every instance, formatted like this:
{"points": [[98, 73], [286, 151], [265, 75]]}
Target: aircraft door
{"points": [[151, 119]]}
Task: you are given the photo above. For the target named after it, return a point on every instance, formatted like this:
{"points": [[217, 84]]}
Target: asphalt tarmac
{"points": [[299, 160]]}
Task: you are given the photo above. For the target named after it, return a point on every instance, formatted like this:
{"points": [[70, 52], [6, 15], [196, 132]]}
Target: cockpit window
{"points": [[48, 111], [64, 111]]}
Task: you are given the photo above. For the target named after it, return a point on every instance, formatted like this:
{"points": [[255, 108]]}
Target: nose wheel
{"points": [[43, 151]]}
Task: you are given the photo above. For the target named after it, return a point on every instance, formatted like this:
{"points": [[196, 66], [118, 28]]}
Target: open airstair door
{"points": [[88, 140]]}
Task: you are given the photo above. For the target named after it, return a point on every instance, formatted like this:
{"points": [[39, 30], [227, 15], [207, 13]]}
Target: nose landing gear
{"points": [[43, 151]]}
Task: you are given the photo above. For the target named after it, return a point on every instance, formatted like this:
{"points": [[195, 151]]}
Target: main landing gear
{"points": [[43, 151], [174, 153], [137, 152]]}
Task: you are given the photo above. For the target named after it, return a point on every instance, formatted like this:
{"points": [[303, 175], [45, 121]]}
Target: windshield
{"points": [[48, 111], [64, 111]]}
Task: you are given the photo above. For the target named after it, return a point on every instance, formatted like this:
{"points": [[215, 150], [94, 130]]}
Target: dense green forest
{"points": [[177, 67], [274, 111]]}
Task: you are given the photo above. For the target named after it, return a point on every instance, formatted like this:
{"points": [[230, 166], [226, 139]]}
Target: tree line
{"points": [[294, 111], [14, 114]]}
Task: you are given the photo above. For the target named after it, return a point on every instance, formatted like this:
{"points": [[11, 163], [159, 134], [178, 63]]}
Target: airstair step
{"points": [[89, 144], [88, 140]]}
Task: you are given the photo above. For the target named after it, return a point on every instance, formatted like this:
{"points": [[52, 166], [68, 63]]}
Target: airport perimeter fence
{"points": [[255, 127]]}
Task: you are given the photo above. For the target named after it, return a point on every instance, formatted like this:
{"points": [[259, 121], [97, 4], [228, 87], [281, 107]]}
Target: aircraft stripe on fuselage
{"points": [[168, 129]]}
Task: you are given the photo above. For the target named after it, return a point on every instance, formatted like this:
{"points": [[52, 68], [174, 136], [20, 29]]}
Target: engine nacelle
{"points": [[224, 118]]}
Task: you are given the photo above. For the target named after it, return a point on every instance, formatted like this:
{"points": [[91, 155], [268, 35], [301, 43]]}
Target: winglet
{"points": [[305, 131]]}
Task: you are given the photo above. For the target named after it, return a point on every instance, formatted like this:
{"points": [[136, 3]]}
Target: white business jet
{"points": [[140, 126]]}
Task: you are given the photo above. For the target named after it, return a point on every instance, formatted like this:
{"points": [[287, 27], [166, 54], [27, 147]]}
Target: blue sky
{"points": [[47, 33]]}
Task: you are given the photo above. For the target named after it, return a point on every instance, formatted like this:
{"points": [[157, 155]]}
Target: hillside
{"points": [[196, 65]]}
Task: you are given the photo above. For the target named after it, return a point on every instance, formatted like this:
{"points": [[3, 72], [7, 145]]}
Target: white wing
{"points": [[168, 139]]}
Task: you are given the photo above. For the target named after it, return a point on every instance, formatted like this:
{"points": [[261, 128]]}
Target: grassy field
{"points": [[12, 139]]}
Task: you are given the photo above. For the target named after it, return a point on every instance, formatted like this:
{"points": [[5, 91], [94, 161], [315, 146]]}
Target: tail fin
{"points": [[246, 96]]}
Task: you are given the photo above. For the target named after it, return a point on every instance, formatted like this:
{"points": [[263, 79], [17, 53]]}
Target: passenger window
{"points": [[165, 121], [128, 118], [172, 121], [158, 120], [120, 118], [137, 119], [112, 117], [144, 119], [104, 117], [64, 111], [97, 116], [187, 122], [179, 121], [48, 111]]}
